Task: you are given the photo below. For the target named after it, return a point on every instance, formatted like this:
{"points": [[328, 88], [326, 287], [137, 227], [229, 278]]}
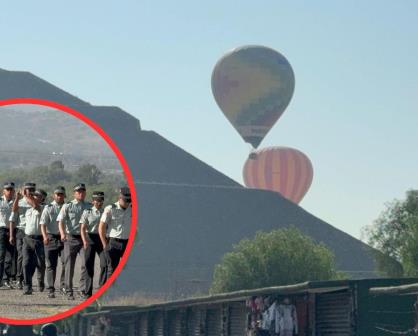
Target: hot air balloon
{"points": [[253, 85], [281, 169]]}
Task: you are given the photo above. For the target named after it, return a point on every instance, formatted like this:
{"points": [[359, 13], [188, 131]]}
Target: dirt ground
{"points": [[13, 304]]}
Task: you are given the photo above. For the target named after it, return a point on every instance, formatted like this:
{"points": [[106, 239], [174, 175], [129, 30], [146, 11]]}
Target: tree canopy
{"points": [[395, 235], [280, 257], [48, 177]]}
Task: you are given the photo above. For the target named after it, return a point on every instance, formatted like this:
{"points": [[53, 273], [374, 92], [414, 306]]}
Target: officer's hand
{"points": [[46, 241], [85, 245], [63, 237], [11, 240], [19, 195]]}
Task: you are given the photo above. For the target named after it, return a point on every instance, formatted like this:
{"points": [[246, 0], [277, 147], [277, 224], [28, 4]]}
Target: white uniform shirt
{"points": [[5, 211], [118, 220], [19, 218], [32, 220], [71, 214], [49, 217], [91, 218]]}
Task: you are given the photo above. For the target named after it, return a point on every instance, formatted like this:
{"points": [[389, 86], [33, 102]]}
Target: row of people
{"points": [[40, 233]]}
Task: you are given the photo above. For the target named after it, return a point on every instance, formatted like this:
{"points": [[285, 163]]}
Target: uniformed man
{"points": [[116, 221], [69, 227], [6, 202], [33, 248], [52, 239], [89, 222], [17, 227]]}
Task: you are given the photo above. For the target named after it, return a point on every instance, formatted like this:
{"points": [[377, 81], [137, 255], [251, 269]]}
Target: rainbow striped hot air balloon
{"points": [[281, 169], [253, 85]]}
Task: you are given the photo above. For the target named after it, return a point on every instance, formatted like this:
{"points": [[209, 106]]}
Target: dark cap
{"points": [[80, 186], [29, 185], [39, 192], [8, 185], [98, 194], [125, 193], [59, 190], [43, 192]]}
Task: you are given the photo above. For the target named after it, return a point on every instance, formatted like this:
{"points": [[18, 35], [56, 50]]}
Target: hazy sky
{"points": [[354, 111]]}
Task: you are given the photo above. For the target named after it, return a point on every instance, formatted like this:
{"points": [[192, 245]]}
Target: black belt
{"points": [[74, 236], [4, 228], [37, 237], [53, 235], [119, 240]]}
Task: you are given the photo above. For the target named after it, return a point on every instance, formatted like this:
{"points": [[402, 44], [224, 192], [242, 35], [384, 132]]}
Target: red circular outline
{"points": [[131, 185]]}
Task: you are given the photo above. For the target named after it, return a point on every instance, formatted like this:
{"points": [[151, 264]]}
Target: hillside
{"points": [[32, 137]]}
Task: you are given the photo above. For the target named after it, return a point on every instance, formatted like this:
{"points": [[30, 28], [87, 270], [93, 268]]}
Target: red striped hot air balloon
{"points": [[281, 169]]}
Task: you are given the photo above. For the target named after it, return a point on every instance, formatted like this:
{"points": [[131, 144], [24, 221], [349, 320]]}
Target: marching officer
{"points": [[6, 202], [33, 248], [89, 222], [116, 221], [18, 221], [51, 238], [69, 227]]}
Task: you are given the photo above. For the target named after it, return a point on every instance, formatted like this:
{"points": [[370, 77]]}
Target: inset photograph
{"points": [[65, 211]]}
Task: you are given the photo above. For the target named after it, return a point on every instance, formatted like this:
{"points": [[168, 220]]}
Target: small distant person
{"points": [[89, 222], [116, 221], [51, 238], [17, 228], [69, 227], [33, 248], [6, 203], [49, 329]]}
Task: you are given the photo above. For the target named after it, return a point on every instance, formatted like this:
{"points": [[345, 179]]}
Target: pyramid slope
{"points": [[189, 213], [187, 229]]}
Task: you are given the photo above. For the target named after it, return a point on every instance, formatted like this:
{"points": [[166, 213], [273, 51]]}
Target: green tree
{"points": [[280, 257], [89, 174], [394, 234]]}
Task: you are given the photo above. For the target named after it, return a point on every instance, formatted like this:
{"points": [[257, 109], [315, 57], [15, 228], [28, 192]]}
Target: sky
{"points": [[353, 113]]}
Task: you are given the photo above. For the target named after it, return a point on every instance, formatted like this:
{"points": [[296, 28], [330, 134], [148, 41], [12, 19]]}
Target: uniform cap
{"points": [[80, 186], [29, 185], [8, 185], [98, 194], [125, 193], [39, 192], [59, 190], [43, 192]]}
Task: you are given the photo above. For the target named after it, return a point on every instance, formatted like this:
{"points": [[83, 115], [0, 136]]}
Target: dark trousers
{"points": [[82, 282], [114, 251], [10, 262], [52, 252], [62, 276], [5, 247], [20, 234], [95, 247], [33, 258], [72, 246]]}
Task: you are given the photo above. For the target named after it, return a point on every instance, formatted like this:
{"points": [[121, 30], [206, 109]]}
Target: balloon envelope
{"points": [[253, 85], [281, 169]]}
